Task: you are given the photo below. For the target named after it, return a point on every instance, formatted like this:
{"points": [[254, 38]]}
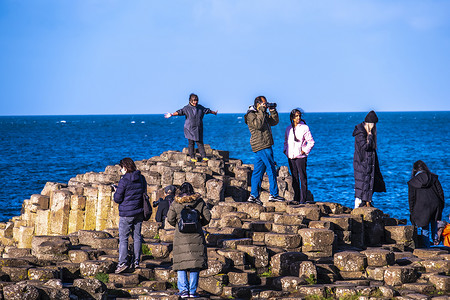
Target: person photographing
{"points": [[259, 123]]}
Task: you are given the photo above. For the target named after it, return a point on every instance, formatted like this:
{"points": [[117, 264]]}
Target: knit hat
{"points": [[170, 189], [371, 117]]}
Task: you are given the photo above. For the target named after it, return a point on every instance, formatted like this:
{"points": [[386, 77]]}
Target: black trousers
{"points": [[298, 171], [201, 148]]}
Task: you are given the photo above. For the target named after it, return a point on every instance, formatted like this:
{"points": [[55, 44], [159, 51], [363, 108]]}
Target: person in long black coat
{"points": [[193, 126], [426, 201], [368, 177]]}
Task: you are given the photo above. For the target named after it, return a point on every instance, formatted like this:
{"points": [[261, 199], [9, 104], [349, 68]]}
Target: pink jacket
{"points": [[293, 149]]}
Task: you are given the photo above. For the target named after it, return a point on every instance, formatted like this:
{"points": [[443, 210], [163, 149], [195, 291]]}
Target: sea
{"points": [[38, 149]]}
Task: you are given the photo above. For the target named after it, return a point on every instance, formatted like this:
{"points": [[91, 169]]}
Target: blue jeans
{"points": [[185, 284], [127, 226], [425, 234], [264, 162]]}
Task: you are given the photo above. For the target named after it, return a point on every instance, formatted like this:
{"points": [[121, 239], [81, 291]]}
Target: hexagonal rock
{"points": [[231, 221], [289, 283], [281, 240], [379, 257], [281, 263], [91, 268], [436, 266], [232, 243], [314, 239], [218, 210], [43, 274], [243, 278], [53, 248], [287, 219], [291, 229], [159, 250], [124, 280], [314, 290], [21, 291], [252, 209], [78, 256], [303, 269], [370, 214], [340, 222], [214, 267], [399, 234], [89, 289], [375, 273], [428, 252], [310, 212], [398, 275], [257, 256], [424, 288], [350, 261], [88, 237], [441, 282], [213, 285], [237, 257]]}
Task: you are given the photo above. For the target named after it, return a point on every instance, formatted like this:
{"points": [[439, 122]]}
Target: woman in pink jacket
{"points": [[298, 142]]}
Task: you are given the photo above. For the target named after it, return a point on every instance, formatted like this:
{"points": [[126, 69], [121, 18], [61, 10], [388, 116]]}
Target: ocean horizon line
{"points": [[230, 113]]}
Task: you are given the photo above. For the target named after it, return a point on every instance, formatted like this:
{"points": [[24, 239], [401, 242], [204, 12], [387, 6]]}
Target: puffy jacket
{"points": [[193, 126], [426, 199], [292, 148], [189, 249], [129, 194], [368, 178], [259, 123]]}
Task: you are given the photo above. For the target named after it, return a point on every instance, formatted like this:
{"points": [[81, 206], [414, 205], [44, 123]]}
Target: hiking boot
{"points": [[194, 295], [194, 160], [121, 268], [253, 199], [276, 198], [135, 265]]}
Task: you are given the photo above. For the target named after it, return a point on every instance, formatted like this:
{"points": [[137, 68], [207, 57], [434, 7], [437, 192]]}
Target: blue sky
{"points": [[63, 57]]}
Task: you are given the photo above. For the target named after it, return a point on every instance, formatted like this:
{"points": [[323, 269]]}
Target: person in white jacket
{"points": [[298, 142]]}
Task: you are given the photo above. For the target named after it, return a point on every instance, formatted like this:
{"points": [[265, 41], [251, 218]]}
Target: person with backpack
{"points": [[188, 213], [129, 194]]}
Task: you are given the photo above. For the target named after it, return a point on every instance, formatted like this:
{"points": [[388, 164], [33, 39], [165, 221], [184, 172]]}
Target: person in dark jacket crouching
{"points": [[368, 178], [164, 204], [426, 201], [129, 196], [189, 249]]}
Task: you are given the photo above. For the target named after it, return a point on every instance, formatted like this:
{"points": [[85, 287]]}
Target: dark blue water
{"points": [[37, 149]]}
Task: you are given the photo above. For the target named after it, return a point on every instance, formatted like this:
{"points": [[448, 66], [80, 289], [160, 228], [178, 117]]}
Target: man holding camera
{"points": [[259, 123]]}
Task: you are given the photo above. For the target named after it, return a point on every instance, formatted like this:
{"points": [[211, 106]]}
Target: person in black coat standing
{"points": [[164, 204], [129, 195], [368, 178], [426, 201], [193, 126]]}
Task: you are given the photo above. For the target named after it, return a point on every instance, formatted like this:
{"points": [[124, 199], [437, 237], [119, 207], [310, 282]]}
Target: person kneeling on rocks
{"points": [[188, 213]]}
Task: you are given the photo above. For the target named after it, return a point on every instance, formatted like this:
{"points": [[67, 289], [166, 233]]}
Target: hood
{"points": [[187, 199], [422, 180], [359, 129], [134, 176], [251, 109]]}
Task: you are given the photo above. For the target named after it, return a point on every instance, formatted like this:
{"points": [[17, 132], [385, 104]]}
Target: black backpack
{"points": [[189, 220]]}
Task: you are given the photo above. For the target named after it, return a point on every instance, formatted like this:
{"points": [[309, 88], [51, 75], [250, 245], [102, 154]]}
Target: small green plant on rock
{"points": [[156, 237], [267, 273], [311, 279], [146, 250], [102, 277]]}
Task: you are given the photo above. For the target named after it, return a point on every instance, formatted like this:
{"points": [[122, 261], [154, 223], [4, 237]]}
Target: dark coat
{"points": [[193, 126], [163, 209], [426, 199], [259, 123], [368, 178], [129, 193], [189, 249]]}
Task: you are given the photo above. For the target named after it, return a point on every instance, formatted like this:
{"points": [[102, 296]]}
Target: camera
{"points": [[156, 203], [271, 105]]}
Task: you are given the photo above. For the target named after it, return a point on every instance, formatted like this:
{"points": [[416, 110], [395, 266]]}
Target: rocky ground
{"points": [[319, 250]]}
